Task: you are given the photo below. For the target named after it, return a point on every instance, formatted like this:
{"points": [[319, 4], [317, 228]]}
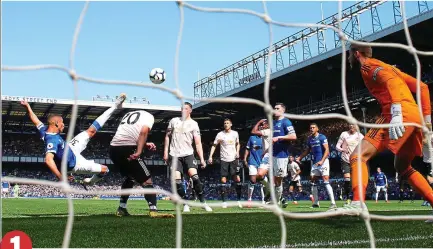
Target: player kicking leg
{"points": [[393, 89], [55, 145]]}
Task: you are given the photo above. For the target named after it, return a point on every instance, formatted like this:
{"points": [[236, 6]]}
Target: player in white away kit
{"points": [[55, 145], [179, 137], [295, 178], [381, 184], [346, 145], [317, 146], [229, 156], [126, 149]]}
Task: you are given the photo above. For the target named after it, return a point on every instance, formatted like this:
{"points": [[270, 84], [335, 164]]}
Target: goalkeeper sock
{"points": [[239, 190], [419, 183], [292, 196], [100, 121], [127, 184], [359, 194], [150, 198], [401, 195]]}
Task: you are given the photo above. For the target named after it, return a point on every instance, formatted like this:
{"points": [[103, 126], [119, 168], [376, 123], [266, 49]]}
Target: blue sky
{"points": [[125, 40]]}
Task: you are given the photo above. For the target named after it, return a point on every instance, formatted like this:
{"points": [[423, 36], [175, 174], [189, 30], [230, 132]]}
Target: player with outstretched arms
{"points": [[179, 138], [381, 184], [253, 159], [228, 140], [346, 145], [393, 90], [317, 146], [55, 145], [125, 151], [295, 178]]}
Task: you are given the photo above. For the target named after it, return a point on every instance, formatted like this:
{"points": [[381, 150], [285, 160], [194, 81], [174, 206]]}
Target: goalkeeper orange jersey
{"points": [[390, 85]]}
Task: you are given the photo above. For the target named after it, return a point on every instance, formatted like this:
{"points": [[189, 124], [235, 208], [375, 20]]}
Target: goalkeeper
{"points": [[393, 90]]}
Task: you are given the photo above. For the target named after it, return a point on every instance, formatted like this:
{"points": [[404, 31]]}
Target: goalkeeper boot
{"points": [[155, 214], [122, 212]]}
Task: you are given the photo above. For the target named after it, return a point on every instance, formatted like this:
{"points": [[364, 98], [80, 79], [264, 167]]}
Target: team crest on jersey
{"points": [[50, 145]]}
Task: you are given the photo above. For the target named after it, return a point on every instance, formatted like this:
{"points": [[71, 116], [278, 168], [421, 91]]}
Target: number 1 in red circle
{"points": [[16, 240]]}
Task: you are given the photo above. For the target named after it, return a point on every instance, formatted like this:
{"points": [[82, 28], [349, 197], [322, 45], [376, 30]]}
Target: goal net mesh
{"points": [[266, 105]]}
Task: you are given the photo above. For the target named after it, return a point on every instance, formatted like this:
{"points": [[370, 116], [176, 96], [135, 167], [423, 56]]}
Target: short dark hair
{"points": [[314, 125], [188, 104], [281, 104], [365, 50], [227, 119]]}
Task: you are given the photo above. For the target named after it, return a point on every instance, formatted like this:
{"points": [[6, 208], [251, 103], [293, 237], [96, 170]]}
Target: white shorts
{"points": [[322, 170], [252, 170], [280, 166], [82, 166], [378, 188], [265, 162], [5, 190]]}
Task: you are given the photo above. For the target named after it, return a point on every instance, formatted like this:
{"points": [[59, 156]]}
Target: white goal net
{"points": [[266, 105]]}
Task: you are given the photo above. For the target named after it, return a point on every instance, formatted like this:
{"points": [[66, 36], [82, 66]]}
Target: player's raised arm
{"points": [[32, 115], [256, 130], [142, 138]]}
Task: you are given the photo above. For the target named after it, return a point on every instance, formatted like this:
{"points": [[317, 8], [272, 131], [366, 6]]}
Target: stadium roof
{"points": [[319, 79], [12, 111]]}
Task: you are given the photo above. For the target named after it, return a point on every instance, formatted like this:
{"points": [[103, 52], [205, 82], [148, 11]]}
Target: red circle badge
{"points": [[16, 240]]}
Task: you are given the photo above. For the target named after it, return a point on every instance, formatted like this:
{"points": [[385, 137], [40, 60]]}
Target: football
{"points": [[157, 75]]}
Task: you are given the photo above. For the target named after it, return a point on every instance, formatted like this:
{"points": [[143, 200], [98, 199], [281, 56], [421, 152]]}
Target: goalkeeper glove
{"points": [[396, 131]]}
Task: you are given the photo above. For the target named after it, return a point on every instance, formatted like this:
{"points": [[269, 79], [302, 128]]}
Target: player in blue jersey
{"points": [[381, 184], [55, 145], [318, 148], [283, 132], [252, 160]]}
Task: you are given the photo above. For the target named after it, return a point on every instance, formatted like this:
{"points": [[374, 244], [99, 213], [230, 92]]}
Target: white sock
{"points": [[250, 191], [100, 121], [266, 184], [386, 196], [262, 192], [330, 192], [377, 195], [279, 190]]}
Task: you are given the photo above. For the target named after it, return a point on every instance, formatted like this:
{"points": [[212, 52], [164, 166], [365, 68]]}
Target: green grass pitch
{"points": [[95, 225]]}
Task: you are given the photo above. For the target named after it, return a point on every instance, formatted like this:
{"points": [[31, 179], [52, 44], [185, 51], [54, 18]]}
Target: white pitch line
{"points": [[350, 242]]}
